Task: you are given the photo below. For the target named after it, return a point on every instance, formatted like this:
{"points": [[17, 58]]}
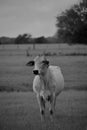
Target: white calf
{"points": [[47, 84]]}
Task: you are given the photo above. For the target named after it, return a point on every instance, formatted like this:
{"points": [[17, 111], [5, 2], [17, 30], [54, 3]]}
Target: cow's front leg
{"points": [[41, 102]]}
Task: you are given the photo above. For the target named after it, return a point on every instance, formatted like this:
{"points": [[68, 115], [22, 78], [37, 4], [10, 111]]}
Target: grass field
{"points": [[20, 111], [18, 106], [16, 76]]}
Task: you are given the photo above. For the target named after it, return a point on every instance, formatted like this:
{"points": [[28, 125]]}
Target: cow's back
{"points": [[57, 78]]}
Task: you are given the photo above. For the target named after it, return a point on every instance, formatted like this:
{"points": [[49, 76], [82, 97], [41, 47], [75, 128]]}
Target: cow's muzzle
{"points": [[35, 72]]}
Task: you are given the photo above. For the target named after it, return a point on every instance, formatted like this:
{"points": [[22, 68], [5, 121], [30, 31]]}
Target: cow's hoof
{"points": [[51, 112], [42, 112]]}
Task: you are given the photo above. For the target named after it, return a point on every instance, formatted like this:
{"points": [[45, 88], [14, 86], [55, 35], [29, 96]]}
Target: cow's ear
{"points": [[46, 62], [30, 63]]}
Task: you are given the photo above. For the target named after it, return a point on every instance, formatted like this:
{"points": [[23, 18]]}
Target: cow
{"points": [[47, 84]]}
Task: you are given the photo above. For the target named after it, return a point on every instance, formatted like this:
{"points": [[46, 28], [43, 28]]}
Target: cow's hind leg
{"points": [[52, 106], [54, 99], [41, 102]]}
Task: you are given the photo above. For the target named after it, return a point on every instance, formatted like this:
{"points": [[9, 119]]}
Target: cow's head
{"points": [[40, 64]]}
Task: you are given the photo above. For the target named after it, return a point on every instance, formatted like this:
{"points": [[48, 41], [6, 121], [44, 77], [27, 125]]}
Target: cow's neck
{"points": [[45, 79]]}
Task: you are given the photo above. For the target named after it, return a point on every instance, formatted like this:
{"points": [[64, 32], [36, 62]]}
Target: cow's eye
{"points": [[43, 62]]}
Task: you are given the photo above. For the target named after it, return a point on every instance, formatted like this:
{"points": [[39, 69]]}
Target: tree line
{"points": [[27, 39]]}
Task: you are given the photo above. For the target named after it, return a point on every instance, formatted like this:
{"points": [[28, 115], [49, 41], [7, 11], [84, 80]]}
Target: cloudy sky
{"points": [[37, 17]]}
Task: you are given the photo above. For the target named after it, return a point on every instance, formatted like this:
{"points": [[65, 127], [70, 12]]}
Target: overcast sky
{"points": [[37, 17]]}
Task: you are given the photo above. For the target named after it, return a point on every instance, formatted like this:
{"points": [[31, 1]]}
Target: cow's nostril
{"points": [[35, 72]]}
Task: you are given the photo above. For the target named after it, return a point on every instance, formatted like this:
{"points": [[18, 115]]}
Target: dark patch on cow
{"points": [[42, 101]]}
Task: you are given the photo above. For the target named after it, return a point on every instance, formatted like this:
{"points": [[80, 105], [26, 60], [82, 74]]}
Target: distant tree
{"points": [[22, 39], [6, 40], [41, 39], [0, 42], [72, 24]]}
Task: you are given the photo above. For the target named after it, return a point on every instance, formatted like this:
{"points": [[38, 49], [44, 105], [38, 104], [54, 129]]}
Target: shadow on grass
{"points": [[60, 54], [77, 88], [27, 87], [75, 54]]}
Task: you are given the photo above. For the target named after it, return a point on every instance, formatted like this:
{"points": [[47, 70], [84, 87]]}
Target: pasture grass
{"points": [[16, 76], [20, 111]]}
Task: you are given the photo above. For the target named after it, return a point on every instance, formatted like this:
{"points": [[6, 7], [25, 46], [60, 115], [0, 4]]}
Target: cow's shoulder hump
{"points": [[54, 68]]}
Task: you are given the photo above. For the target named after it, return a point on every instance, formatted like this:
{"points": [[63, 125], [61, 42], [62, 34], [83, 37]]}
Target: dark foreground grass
{"points": [[20, 111]]}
